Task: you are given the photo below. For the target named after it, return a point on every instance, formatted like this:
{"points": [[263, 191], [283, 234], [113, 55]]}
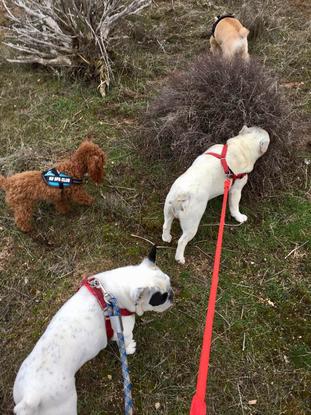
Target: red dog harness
{"points": [[98, 294], [222, 157]]}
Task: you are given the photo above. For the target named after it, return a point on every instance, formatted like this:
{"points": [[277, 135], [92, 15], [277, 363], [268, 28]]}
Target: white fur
{"points": [[204, 180], [45, 383]]}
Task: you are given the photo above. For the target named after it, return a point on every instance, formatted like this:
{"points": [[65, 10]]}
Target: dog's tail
{"points": [[3, 182], [180, 203], [27, 406], [243, 32]]}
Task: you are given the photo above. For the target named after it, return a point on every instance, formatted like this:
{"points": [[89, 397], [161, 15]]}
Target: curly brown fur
{"points": [[24, 190]]}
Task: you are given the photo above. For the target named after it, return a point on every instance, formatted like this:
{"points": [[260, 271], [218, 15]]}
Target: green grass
{"points": [[262, 342]]}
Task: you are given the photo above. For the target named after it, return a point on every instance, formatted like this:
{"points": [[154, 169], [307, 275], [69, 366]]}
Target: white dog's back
{"points": [[195, 184], [57, 349]]}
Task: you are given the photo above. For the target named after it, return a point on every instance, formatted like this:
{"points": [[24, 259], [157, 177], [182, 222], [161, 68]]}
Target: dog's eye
{"points": [[158, 298]]}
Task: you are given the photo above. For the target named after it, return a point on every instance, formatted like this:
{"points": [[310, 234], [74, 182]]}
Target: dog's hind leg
{"points": [[62, 206], [82, 197], [168, 220], [189, 226], [23, 217]]}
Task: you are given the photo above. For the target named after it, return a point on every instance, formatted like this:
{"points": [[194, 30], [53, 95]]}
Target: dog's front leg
{"points": [[235, 197], [128, 327], [62, 206], [80, 196]]}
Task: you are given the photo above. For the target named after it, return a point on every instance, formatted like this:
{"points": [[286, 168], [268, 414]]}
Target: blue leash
{"points": [[117, 326], [116, 323]]}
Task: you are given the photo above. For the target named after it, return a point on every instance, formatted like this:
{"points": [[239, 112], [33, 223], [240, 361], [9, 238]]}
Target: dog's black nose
{"points": [[171, 296]]}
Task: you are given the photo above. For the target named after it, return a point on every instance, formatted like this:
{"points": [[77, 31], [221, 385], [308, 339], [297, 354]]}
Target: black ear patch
{"points": [[158, 298], [152, 254]]}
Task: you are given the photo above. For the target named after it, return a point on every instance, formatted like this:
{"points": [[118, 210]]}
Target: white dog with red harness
{"points": [[45, 383], [204, 180]]}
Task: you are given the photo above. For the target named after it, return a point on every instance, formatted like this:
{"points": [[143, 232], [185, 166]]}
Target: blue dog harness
{"points": [[59, 180]]}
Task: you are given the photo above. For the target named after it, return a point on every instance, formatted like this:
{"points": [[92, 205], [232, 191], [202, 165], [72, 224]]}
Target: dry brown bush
{"points": [[71, 34], [210, 102]]}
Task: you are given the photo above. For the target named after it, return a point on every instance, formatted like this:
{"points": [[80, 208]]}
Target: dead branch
{"points": [[67, 33]]}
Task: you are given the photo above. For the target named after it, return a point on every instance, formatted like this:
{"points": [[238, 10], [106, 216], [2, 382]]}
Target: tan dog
{"points": [[25, 190], [229, 37]]}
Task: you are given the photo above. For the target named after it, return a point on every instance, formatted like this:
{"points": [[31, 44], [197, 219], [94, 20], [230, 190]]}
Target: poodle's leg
{"points": [[23, 217], [62, 206], [168, 220], [82, 197]]}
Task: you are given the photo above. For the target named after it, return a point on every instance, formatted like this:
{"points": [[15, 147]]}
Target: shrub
{"points": [[209, 103], [70, 34]]}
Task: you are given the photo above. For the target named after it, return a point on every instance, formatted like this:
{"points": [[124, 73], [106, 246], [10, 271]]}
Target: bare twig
{"points": [[144, 239], [295, 249]]}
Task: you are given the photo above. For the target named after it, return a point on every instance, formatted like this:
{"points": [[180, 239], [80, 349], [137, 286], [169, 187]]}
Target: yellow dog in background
{"points": [[229, 37]]}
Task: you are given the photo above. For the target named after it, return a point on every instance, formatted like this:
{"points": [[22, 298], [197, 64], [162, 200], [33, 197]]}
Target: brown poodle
{"points": [[24, 190]]}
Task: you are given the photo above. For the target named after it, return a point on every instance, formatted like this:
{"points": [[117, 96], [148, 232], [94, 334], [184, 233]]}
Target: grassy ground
{"points": [[261, 355]]}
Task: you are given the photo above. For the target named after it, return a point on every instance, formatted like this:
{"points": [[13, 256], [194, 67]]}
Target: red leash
{"points": [[198, 405]]}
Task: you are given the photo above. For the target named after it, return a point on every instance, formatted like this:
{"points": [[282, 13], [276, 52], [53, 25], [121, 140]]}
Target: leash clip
{"points": [[95, 283]]}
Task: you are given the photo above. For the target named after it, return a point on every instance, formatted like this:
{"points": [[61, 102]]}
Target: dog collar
{"points": [[219, 18], [98, 294], [59, 180], [222, 157]]}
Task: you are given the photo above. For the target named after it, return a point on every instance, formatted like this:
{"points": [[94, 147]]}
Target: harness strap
{"points": [[98, 294], [62, 179], [56, 173], [222, 158]]}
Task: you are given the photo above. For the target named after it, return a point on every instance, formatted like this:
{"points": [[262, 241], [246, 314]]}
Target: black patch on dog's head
{"points": [[158, 298]]}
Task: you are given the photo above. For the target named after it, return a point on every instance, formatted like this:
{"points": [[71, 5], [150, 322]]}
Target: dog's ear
{"points": [[137, 296], [243, 32], [263, 146], [89, 138], [244, 129], [95, 167], [152, 254]]}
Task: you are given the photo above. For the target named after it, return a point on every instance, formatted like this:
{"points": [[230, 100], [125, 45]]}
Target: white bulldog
{"points": [[204, 180], [45, 383]]}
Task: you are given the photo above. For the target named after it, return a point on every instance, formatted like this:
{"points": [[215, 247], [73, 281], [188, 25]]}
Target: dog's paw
{"points": [[131, 348], [89, 201], [166, 237], [181, 260], [240, 218]]}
